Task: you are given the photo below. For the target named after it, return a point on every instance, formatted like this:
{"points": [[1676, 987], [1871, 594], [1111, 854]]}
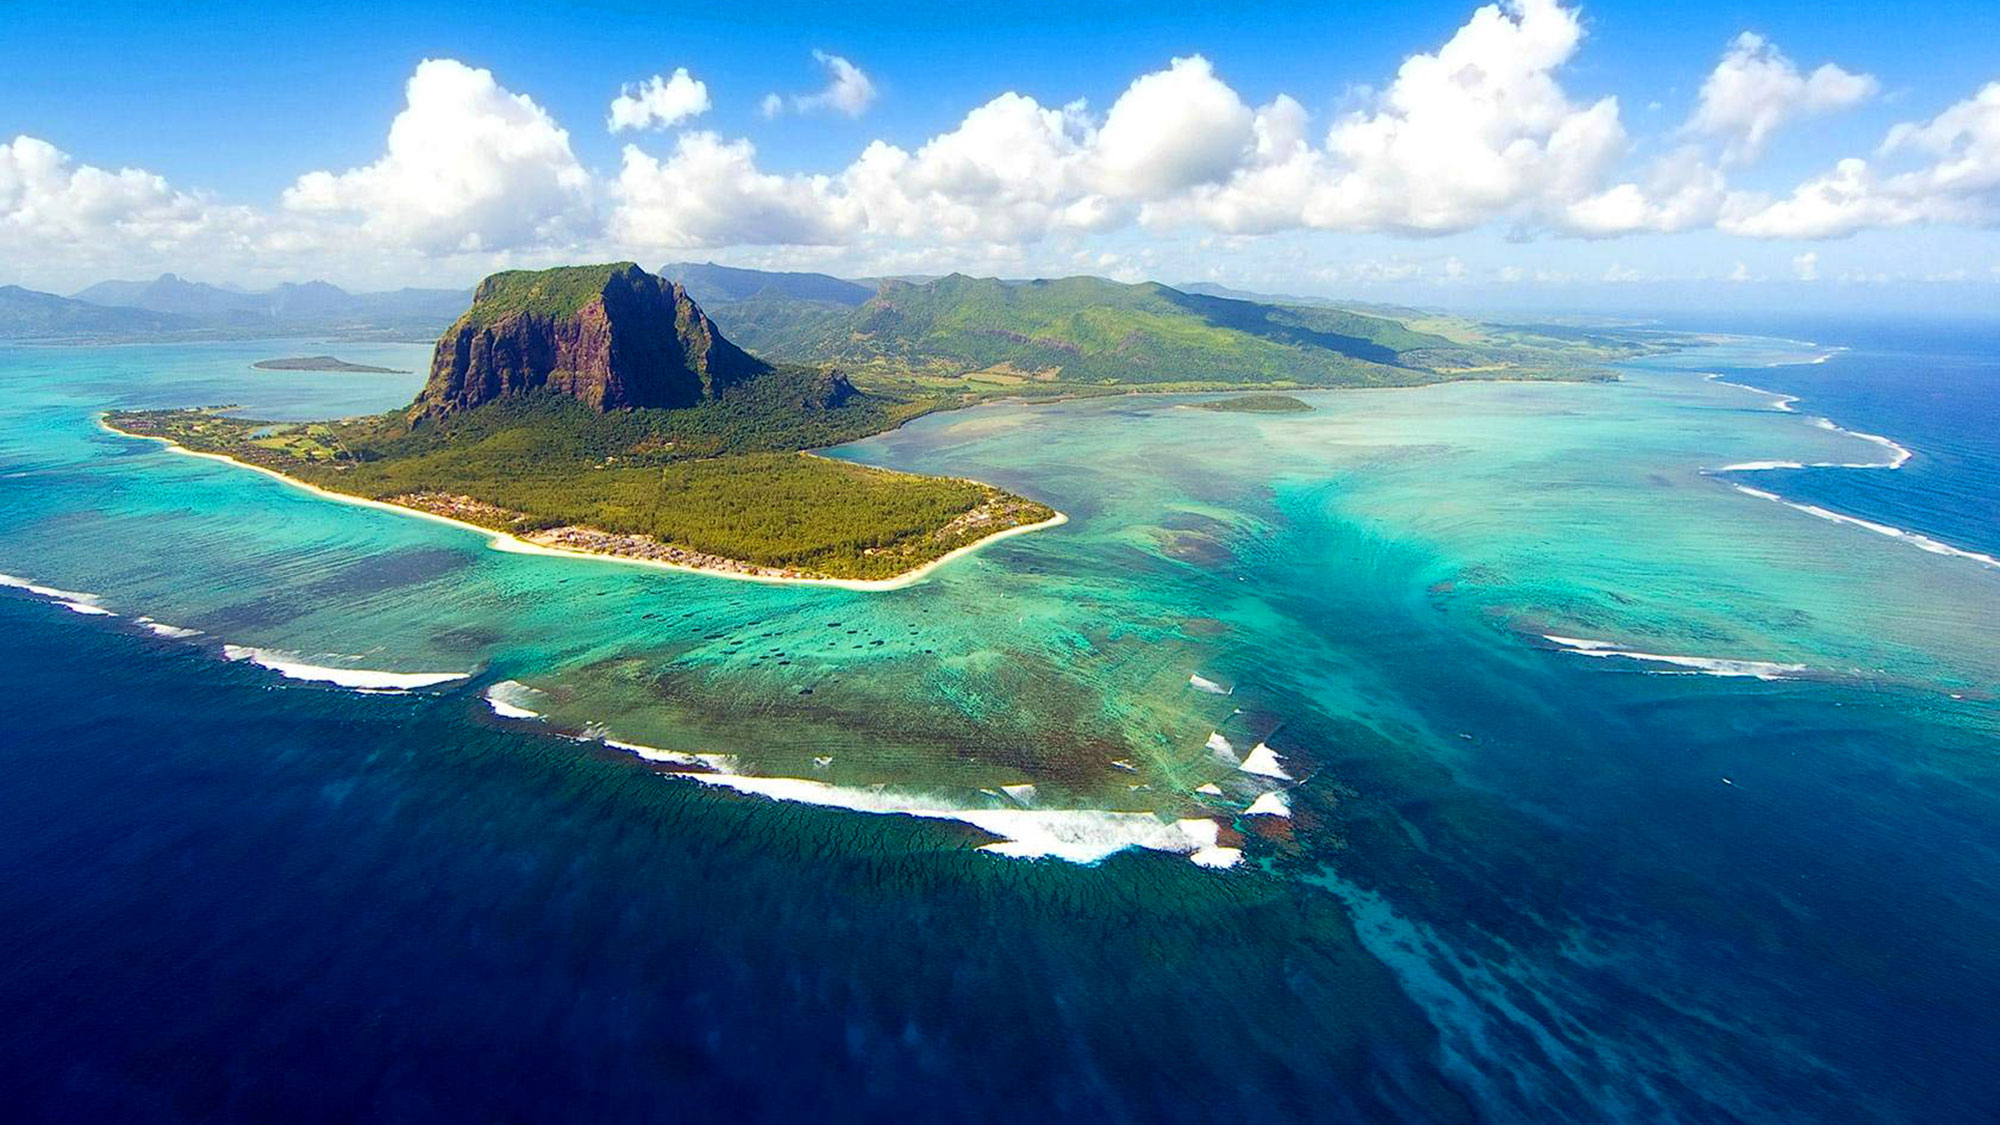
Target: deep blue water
{"points": [[234, 897], [1932, 386], [226, 900]]}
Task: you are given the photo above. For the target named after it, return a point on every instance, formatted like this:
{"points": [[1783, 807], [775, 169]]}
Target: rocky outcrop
{"points": [[611, 337]]}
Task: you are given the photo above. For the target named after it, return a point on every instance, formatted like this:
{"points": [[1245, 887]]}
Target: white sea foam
{"points": [[1221, 747], [1813, 362], [162, 629], [1202, 683], [1203, 833], [1778, 401], [1898, 455], [1269, 804], [655, 754], [1075, 835], [510, 698], [291, 667], [1760, 466], [1915, 539], [69, 599], [1703, 665], [1023, 794], [1210, 789], [1263, 760]]}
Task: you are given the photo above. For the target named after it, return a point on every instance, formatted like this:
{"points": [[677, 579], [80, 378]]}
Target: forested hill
{"points": [[1075, 330], [710, 284]]}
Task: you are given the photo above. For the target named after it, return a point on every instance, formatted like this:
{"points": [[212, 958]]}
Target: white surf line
{"points": [[71, 600], [1778, 401], [162, 629], [1899, 455], [92, 605], [1915, 539], [509, 699], [289, 665], [1831, 351], [1703, 665], [1082, 836], [511, 544]]}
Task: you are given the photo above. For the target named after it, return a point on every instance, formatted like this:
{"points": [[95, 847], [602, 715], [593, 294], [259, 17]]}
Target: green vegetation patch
{"points": [[724, 478], [323, 363], [1257, 404], [558, 292], [1077, 333]]}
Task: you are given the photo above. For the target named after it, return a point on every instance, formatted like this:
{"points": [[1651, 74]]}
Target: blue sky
{"points": [[171, 136]]}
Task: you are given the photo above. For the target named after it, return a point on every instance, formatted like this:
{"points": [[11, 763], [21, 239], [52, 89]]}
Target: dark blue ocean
{"points": [[1931, 385], [1518, 883]]}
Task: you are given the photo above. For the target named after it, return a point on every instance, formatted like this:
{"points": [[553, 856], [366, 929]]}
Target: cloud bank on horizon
{"points": [[1478, 134]]}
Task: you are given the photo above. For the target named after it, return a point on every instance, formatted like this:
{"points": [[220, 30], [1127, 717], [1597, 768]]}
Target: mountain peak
{"points": [[611, 336]]}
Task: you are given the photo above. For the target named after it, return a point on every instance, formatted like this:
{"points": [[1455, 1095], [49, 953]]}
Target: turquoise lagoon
{"points": [[1653, 793]]}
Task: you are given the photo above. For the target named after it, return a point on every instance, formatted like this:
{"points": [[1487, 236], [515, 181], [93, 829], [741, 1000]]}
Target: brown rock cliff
{"points": [[611, 337]]}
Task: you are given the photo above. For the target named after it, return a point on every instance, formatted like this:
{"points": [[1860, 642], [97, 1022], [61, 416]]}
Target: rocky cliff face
{"points": [[611, 337]]}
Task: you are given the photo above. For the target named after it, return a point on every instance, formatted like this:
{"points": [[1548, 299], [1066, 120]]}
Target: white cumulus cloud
{"points": [[711, 193], [469, 166], [1171, 130], [1755, 90], [1956, 179], [658, 103], [51, 207], [1481, 129], [848, 91]]}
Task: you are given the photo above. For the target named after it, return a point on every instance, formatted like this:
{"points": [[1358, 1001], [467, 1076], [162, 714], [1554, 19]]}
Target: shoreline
{"points": [[509, 543]]}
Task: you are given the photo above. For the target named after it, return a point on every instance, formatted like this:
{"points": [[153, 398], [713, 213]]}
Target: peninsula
{"points": [[601, 410], [598, 410]]}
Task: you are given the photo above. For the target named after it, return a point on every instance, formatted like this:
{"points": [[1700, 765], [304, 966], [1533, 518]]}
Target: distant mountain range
{"points": [[26, 314], [173, 306], [919, 336]]}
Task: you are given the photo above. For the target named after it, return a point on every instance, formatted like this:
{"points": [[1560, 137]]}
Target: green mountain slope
{"points": [[1078, 330], [710, 284]]}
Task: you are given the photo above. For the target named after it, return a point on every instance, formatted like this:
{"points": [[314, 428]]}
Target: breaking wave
{"points": [[290, 666], [1074, 835], [1915, 539], [1898, 456], [1698, 665], [509, 699], [86, 604]]}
